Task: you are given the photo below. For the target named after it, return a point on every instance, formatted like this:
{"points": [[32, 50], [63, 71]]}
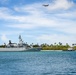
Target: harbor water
{"points": [[38, 63]]}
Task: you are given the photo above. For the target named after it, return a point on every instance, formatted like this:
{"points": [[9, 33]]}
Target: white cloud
{"points": [[42, 20], [52, 38], [35, 16], [66, 26], [12, 32], [4, 38], [67, 15], [22, 26], [61, 4]]}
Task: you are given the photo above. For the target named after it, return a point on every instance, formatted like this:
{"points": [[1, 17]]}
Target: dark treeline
{"points": [[55, 46]]}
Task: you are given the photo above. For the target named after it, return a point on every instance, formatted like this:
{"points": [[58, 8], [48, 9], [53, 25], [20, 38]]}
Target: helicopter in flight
{"points": [[45, 5]]}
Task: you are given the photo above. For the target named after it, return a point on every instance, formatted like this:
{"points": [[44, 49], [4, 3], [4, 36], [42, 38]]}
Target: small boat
{"points": [[71, 49]]}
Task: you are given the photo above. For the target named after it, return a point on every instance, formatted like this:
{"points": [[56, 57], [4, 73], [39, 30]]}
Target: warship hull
{"points": [[21, 46], [19, 49]]}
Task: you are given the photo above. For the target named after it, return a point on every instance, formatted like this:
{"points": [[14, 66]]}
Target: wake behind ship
{"points": [[21, 46]]}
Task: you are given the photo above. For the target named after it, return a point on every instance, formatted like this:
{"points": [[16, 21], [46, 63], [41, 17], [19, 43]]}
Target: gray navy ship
{"points": [[21, 46]]}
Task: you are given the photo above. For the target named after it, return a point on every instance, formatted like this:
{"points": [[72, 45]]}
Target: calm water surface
{"points": [[38, 63]]}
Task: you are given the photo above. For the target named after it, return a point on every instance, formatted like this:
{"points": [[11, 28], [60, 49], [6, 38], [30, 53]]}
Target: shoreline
{"points": [[51, 50], [58, 50]]}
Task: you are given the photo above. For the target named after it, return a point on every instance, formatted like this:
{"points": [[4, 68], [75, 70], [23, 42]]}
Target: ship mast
{"points": [[20, 40]]}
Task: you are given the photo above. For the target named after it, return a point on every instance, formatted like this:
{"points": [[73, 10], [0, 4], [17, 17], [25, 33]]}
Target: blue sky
{"points": [[36, 23]]}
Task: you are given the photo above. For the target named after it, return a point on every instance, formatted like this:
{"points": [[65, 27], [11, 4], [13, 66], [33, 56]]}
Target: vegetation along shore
{"points": [[54, 46]]}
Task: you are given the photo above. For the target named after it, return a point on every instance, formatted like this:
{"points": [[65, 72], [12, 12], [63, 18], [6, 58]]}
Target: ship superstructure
{"points": [[21, 46]]}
